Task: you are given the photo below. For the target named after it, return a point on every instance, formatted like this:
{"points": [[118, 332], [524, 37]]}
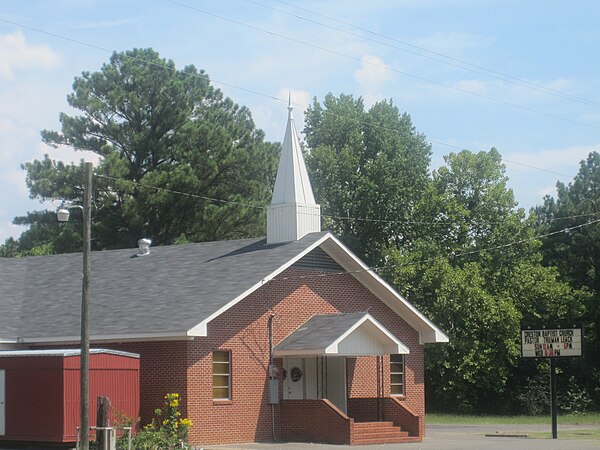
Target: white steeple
{"points": [[293, 212]]}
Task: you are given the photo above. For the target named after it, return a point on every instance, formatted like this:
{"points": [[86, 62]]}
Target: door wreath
{"points": [[296, 374]]}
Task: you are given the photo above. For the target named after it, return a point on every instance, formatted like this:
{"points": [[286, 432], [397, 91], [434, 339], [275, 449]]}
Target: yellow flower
{"points": [[186, 422], [174, 403]]}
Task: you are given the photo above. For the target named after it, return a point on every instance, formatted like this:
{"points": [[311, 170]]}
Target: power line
{"points": [[185, 194], [458, 147], [448, 256], [383, 66], [446, 59], [251, 91], [537, 168], [425, 261], [150, 63], [333, 217], [510, 244]]}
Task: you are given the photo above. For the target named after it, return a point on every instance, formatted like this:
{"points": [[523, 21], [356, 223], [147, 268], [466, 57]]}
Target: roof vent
{"points": [[144, 245]]}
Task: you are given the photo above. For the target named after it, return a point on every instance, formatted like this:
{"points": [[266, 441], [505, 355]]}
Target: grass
{"points": [[590, 423], [569, 419]]}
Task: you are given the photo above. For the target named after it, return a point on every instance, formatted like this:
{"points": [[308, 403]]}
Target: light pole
{"points": [[63, 216]]}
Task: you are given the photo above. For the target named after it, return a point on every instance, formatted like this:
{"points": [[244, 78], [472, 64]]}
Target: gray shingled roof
{"points": [[168, 291], [338, 334], [320, 331], [12, 274]]}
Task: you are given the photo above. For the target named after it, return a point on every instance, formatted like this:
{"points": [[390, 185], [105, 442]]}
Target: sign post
{"points": [[553, 395], [552, 344]]}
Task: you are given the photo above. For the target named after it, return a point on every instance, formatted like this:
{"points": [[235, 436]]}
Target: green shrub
{"points": [[167, 431]]}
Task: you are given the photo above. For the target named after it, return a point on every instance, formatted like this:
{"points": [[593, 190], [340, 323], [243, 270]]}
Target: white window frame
{"points": [[393, 365], [228, 374]]}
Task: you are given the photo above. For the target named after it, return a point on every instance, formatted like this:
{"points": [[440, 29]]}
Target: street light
{"points": [[63, 216], [63, 212]]}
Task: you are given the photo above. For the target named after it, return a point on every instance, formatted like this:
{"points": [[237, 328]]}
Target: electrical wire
{"points": [[383, 66], [449, 60], [375, 268], [251, 91], [437, 258], [333, 217], [283, 100]]}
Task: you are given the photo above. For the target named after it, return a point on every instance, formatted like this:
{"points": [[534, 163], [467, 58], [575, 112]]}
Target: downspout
{"points": [[270, 325], [380, 389]]}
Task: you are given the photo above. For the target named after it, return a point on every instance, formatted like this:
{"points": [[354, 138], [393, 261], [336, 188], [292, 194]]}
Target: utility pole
{"points": [[85, 309]]}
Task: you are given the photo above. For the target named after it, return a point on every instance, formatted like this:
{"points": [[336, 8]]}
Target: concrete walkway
{"points": [[456, 437]]}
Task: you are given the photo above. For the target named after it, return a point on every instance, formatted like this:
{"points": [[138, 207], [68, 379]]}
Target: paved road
{"points": [[455, 437]]}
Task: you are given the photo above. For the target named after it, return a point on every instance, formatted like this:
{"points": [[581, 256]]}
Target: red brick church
{"points": [[288, 338]]}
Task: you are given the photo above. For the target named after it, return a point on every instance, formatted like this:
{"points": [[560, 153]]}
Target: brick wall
{"points": [[396, 410], [315, 421], [186, 366], [162, 371]]}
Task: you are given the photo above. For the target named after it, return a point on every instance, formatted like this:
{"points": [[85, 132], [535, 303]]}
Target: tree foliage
{"points": [[169, 143], [367, 164], [455, 243], [571, 223], [476, 270]]}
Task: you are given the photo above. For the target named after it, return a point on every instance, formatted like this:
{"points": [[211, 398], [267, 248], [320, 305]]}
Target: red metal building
{"points": [[42, 391]]}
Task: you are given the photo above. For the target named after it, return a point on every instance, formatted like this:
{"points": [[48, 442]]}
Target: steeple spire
{"points": [[293, 212]]}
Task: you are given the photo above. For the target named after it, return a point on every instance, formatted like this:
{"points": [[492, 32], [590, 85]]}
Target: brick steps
{"points": [[380, 433]]}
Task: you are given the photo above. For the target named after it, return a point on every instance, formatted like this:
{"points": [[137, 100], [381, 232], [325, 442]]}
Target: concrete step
{"points": [[380, 433], [383, 440], [363, 425]]}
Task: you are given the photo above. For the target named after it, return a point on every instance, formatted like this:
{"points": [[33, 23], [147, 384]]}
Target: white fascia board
{"points": [[202, 328], [172, 336], [428, 332], [309, 352], [402, 349]]}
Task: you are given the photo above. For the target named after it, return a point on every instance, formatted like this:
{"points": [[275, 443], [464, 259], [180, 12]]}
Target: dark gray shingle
{"points": [[170, 290]]}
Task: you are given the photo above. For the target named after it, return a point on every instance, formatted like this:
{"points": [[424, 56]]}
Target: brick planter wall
{"points": [[395, 411], [314, 421]]}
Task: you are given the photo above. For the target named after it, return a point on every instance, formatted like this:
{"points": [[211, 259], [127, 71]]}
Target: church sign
{"points": [[551, 343]]}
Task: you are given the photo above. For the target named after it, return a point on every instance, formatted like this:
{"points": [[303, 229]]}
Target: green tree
{"points": [[158, 132], [476, 271], [371, 165], [575, 252], [571, 221]]}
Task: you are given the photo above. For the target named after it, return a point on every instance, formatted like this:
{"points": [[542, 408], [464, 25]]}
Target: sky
{"points": [[523, 77]]}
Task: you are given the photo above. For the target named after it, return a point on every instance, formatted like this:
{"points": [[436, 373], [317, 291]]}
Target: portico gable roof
{"points": [[352, 334]]}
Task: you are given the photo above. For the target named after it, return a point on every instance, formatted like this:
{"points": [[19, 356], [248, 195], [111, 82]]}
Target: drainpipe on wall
{"points": [[270, 372]]}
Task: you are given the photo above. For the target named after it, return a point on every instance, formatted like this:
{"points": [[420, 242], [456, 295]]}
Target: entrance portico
{"points": [[314, 364], [316, 377]]}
